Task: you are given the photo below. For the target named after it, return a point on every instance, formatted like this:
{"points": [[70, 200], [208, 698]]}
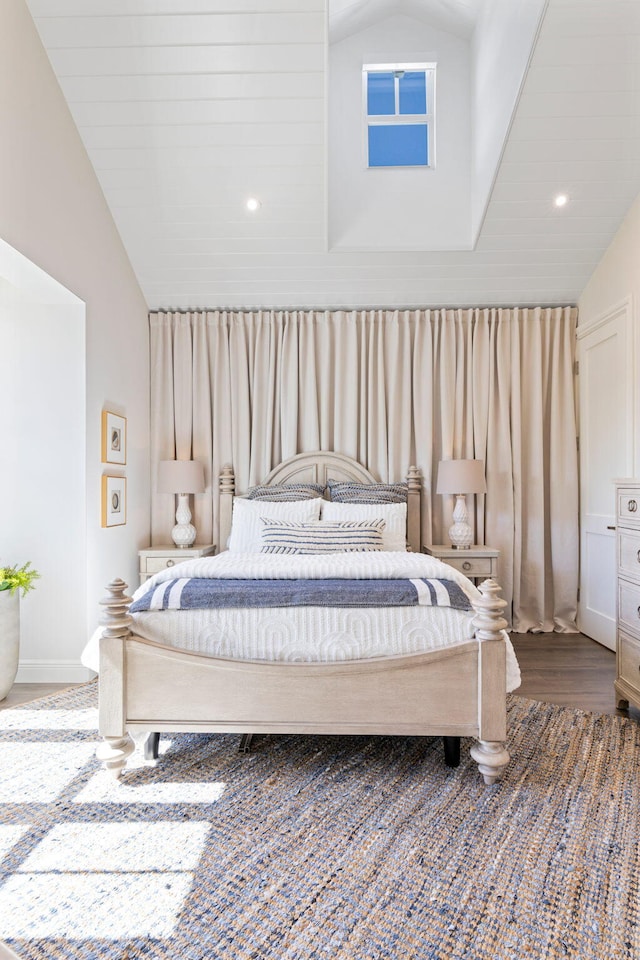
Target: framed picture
{"points": [[114, 501], [114, 438]]}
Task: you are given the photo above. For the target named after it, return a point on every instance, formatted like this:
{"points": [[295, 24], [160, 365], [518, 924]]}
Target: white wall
{"points": [[616, 279], [399, 209], [53, 212], [43, 475], [502, 42]]}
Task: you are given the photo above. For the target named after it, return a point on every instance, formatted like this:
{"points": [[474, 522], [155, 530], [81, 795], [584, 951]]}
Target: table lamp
{"points": [[182, 477], [460, 477]]}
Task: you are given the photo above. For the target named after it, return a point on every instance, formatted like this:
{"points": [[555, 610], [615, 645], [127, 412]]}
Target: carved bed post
{"points": [[490, 752], [115, 618], [227, 483], [414, 499]]}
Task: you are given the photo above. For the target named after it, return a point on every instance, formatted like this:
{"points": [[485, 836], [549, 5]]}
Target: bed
{"points": [[149, 685]]}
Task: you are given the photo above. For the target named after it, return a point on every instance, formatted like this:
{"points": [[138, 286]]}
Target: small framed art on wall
{"points": [[114, 501], [114, 438]]}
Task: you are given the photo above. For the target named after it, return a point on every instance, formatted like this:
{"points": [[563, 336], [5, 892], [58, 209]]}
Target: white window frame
{"points": [[381, 120]]}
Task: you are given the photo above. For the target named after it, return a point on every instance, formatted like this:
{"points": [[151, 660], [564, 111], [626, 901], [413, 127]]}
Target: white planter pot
{"points": [[9, 639]]}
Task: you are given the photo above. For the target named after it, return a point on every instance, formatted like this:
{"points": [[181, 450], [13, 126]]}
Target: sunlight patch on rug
{"points": [[58, 764], [110, 847], [26, 719], [34, 906], [103, 788]]}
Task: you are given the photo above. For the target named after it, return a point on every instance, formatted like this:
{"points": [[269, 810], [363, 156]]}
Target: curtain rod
{"points": [[298, 309]]}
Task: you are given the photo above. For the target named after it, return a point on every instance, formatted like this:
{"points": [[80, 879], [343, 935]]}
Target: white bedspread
{"points": [[361, 566], [309, 634]]}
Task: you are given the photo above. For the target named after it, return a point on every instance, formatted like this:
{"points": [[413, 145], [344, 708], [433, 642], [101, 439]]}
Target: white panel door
{"points": [[606, 450]]}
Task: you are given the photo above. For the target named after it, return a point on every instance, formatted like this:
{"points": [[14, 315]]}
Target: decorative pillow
{"points": [[394, 536], [286, 491], [321, 536], [246, 528], [347, 491]]}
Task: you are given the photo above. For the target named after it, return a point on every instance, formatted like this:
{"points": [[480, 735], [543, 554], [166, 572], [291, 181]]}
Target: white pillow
{"points": [[246, 529], [394, 536], [321, 536]]}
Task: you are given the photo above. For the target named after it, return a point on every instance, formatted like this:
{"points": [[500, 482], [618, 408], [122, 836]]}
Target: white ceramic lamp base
{"points": [[461, 533], [184, 532]]}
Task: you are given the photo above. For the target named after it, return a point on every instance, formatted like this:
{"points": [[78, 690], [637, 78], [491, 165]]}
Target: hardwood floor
{"points": [[24, 692], [569, 669]]}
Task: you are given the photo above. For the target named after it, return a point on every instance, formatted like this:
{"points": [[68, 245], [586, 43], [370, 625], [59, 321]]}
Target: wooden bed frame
{"points": [[456, 692]]}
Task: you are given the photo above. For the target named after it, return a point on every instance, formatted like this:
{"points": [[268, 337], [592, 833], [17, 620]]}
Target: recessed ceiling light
{"points": [[561, 200], [253, 204]]}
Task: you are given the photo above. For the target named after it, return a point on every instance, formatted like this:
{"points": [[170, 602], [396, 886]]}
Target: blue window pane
{"points": [[413, 93], [398, 145], [381, 97]]}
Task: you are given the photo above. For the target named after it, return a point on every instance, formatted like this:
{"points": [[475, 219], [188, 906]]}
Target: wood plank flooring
{"points": [[24, 692], [569, 669]]}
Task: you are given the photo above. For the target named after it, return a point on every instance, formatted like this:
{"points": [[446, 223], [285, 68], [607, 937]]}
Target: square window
{"points": [[398, 145], [399, 104]]}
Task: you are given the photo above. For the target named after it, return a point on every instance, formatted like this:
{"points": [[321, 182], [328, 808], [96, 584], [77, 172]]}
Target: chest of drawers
{"points": [[627, 682]]}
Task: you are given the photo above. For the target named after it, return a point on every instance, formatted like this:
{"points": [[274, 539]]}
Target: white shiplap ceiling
{"points": [[187, 107]]}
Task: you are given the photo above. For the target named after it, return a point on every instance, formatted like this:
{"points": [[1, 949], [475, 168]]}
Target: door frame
{"points": [[621, 310]]}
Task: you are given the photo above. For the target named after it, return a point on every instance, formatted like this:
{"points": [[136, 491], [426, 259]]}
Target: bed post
{"points": [[490, 752], [116, 620], [227, 482], [414, 498]]}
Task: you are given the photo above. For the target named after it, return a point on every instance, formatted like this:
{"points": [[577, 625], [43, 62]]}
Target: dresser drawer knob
{"points": [[467, 566], [638, 556], [170, 563], [638, 613], [632, 506]]}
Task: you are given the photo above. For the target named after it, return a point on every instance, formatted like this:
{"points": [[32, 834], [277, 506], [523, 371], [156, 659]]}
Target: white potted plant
{"points": [[12, 580]]}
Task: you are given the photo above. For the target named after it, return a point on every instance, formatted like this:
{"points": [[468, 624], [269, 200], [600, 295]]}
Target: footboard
{"points": [[458, 691]]}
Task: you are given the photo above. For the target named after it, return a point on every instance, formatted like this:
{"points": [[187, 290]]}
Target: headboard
{"points": [[320, 467]]}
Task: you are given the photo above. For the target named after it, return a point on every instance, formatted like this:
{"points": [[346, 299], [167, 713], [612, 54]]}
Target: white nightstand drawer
{"points": [[477, 563], [156, 564], [472, 567], [155, 559]]}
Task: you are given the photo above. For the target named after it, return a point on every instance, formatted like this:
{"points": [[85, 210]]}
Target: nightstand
{"points": [[155, 559], [477, 563]]}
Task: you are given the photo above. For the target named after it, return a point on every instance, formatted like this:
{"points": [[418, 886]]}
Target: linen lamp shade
{"points": [[182, 477], [461, 477]]}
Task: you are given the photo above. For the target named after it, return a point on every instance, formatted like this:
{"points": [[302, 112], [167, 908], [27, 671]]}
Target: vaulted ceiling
{"points": [[187, 107]]}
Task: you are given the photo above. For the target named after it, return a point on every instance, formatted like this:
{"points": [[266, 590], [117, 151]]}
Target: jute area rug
{"points": [[319, 847]]}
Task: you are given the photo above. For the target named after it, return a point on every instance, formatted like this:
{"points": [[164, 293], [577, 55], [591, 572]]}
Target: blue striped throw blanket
{"points": [[202, 593]]}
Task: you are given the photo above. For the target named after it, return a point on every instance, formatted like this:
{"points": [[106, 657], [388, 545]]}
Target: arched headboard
{"points": [[320, 467]]}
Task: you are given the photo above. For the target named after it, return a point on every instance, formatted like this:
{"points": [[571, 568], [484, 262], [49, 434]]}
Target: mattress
{"points": [[313, 634]]}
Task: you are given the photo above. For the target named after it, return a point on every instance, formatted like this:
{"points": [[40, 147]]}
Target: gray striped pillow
{"points": [[321, 536], [347, 491], [286, 491]]}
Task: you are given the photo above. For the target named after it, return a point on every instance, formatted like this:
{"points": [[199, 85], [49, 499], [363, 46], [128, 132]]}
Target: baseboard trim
{"points": [[52, 671]]}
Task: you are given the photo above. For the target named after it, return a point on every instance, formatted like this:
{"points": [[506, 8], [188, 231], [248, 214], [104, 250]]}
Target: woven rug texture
{"points": [[319, 847]]}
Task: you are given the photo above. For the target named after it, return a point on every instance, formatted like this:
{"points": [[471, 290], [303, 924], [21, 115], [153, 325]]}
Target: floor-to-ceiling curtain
{"points": [[390, 388]]}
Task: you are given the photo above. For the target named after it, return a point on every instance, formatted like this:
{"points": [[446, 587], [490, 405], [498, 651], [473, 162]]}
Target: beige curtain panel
{"points": [[390, 388]]}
